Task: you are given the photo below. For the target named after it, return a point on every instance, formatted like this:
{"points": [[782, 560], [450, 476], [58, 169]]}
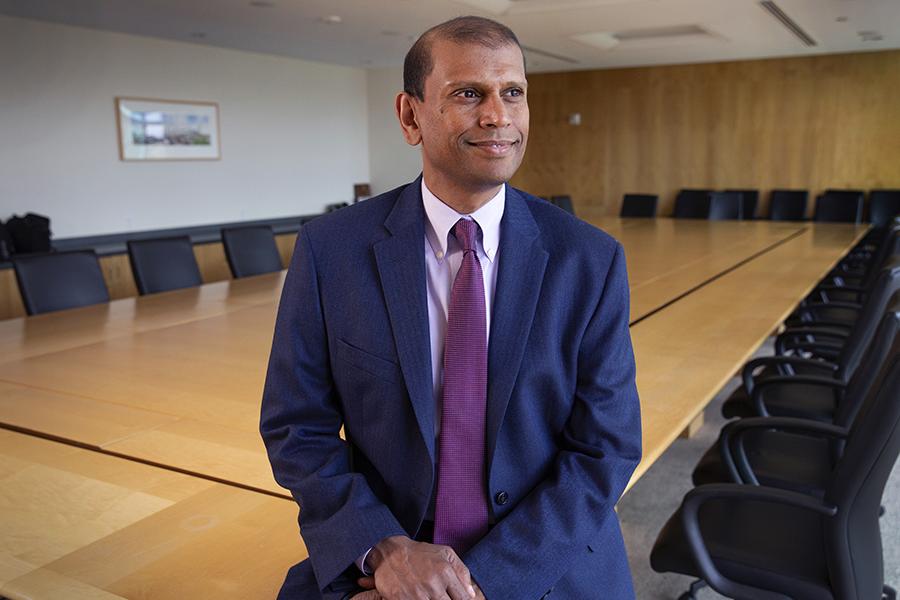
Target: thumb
{"points": [[367, 583]]}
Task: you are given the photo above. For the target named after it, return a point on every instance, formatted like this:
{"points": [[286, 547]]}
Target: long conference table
{"points": [[130, 461]]}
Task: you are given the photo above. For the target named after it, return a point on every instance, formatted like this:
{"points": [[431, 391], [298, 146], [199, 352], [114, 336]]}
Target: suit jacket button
{"points": [[501, 498]]}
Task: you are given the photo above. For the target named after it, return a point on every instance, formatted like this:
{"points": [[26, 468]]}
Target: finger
{"points": [[457, 589], [367, 583], [462, 573]]}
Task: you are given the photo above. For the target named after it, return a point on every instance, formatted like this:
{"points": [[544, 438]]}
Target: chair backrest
{"points": [[876, 353], [877, 301], [853, 548], [163, 264], [725, 205], [884, 205], [59, 280], [692, 204], [564, 202], [749, 202], [251, 250], [788, 205], [639, 205], [839, 206]]}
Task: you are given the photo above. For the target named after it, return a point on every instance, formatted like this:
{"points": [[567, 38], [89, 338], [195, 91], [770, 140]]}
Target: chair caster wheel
{"points": [[888, 593], [691, 593]]}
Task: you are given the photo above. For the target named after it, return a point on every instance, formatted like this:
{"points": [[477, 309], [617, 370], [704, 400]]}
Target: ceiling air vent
{"points": [[531, 51], [788, 22]]}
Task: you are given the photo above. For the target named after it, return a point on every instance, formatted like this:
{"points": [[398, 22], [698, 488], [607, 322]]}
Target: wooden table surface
{"points": [[174, 381], [78, 524], [181, 387]]}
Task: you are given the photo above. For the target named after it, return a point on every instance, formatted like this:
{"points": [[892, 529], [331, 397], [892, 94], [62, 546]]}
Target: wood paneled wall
{"points": [[120, 282], [810, 123]]}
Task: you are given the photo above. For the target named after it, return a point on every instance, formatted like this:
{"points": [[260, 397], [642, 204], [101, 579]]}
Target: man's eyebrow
{"points": [[479, 84]]}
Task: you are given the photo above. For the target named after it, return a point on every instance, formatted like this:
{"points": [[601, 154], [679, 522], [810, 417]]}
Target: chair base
{"points": [[699, 585], [888, 593]]}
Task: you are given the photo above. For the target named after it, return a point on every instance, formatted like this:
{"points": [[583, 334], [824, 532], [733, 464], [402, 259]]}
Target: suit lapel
{"points": [[401, 266], [522, 263]]}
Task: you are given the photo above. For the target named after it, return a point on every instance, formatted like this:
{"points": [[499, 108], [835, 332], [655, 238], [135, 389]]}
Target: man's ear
{"points": [[406, 112]]}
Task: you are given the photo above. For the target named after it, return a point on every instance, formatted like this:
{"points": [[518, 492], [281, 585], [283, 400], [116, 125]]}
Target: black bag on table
{"points": [[30, 233]]}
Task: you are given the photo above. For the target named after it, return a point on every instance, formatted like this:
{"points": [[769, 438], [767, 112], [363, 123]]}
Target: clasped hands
{"points": [[409, 570]]}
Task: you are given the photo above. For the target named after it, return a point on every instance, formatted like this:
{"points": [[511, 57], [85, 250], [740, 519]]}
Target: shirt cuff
{"points": [[361, 563]]}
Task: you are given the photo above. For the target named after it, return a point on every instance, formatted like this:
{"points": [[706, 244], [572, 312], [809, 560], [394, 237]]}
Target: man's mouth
{"points": [[495, 147]]}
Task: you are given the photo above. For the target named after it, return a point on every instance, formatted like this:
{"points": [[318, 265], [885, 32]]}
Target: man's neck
{"points": [[463, 201]]}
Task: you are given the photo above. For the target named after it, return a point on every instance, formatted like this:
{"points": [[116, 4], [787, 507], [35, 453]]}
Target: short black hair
{"points": [[462, 30]]}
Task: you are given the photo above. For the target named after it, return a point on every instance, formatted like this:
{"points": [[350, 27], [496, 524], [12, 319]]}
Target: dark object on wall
{"points": [[59, 280], [6, 243], [788, 205], [163, 264], [749, 201], [639, 205], [692, 204], [361, 191], [333, 207], [30, 234], [251, 250], [564, 202], [839, 206], [725, 206], [884, 205]]}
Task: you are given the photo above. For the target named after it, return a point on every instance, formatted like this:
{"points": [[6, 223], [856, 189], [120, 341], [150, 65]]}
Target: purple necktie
{"points": [[461, 510]]}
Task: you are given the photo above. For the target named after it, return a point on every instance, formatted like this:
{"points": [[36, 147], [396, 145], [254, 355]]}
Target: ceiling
{"points": [[559, 35]]}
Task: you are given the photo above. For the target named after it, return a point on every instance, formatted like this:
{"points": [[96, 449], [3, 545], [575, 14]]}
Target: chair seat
{"points": [[753, 543], [798, 400], [779, 459]]}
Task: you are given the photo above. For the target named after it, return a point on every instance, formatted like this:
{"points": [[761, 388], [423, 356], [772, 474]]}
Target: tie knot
{"points": [[465, 230]]}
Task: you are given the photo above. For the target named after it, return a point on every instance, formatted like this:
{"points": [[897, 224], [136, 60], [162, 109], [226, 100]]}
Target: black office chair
{"points": [[725, 206], [59, 280], [251, 250], [749, 202], [639, 205], [163, 264], [692, 204], [564, 202], [788, 205], [765, 543], [790, 453], [884, 205], [835, 351], [839, 206]]}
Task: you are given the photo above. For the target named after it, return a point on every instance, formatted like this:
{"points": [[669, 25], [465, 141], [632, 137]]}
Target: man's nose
{"points": [[494, 112]]}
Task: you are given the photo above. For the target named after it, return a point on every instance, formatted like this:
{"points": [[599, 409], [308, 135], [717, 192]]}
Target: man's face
{"points": [[474, 119]]}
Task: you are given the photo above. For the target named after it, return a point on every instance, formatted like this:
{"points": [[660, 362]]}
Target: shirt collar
{"points": [[440, 219]]}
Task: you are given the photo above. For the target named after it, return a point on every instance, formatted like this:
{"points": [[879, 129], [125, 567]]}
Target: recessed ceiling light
{"points": [[870, 36], [841, 19], [198, 35], [331, 19]]}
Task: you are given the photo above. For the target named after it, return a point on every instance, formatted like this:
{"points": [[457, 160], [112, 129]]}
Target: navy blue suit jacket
{"points": [[351, 349]]}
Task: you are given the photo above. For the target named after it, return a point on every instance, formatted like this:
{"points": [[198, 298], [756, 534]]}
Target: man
{"points": [[473, 342]]}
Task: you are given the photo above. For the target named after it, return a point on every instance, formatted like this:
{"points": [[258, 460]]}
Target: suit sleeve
{"points": [[301, 419], [529, 550]]}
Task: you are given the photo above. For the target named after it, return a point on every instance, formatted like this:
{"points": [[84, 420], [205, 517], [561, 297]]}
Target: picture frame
{"points": [[152, 129]]}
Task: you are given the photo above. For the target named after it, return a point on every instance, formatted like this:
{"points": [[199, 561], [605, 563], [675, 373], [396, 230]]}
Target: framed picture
{"points": [[167, 129]]}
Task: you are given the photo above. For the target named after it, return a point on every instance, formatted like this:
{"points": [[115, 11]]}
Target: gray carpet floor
{"points": [[647, 506]]}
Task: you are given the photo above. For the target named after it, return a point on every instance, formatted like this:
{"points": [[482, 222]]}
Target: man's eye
{"points": [[516, 92], [468, 94]]}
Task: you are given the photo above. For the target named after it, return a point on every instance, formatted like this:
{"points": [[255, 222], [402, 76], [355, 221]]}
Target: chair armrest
{"points": [[810, 339], [811, 349], [690, 509], [756, 396], [734, 453], [781, 361]]}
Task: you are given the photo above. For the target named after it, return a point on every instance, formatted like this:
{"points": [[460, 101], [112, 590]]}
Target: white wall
{"points": [[294, 133], [392, 161]]}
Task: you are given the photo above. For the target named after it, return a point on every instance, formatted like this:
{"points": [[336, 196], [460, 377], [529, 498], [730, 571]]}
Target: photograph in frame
{"points": [[167, 129]]}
